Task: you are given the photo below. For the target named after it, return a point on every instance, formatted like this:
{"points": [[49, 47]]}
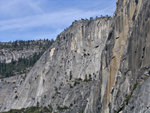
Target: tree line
{"points": [[23, 65]]}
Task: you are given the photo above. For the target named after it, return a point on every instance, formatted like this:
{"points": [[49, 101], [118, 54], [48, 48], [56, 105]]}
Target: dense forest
{"points": [[23, 65], [35, 109], [20, 44]]}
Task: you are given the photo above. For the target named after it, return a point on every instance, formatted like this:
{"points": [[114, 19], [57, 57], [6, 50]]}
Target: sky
{"points": [[45, 19]]}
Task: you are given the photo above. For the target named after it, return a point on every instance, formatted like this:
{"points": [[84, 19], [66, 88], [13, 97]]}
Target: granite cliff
{"points": [[67, 72], [95, 66]]}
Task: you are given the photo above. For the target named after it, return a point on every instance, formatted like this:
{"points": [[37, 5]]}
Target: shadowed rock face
{"points": [[94, 66], [125, 59]]}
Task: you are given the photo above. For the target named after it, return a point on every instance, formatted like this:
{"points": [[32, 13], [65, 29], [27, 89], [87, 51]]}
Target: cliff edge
{"points": [[94, 66]]}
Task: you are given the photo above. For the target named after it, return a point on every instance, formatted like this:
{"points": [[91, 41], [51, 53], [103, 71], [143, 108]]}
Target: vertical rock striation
{"points": [[125, 59], [67, 75], [94, 66]]}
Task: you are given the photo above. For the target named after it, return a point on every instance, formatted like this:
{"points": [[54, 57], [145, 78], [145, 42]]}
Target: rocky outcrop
{"points": [[21, 49], [67, 75], [94, 66], [18, 57], [125, 59], [9, 86], [7, 55]]}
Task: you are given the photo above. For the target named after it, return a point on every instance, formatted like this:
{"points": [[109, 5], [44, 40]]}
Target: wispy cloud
{"points": [[49, 19], [19, 8], [24, 15]]}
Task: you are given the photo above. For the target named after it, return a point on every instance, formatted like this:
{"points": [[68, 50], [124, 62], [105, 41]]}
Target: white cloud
{"points": [[16, 8], [49, 19], [26, 15]]}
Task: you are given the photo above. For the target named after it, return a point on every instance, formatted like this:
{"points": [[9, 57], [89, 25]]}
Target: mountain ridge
{"points": [[94, 66]]}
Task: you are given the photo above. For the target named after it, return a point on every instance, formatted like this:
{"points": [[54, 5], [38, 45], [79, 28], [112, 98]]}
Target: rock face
{"points": [[94, 66], [9, 86], [68, 73], [20, 49], [7, 55], [18, 57], [125, 59]]}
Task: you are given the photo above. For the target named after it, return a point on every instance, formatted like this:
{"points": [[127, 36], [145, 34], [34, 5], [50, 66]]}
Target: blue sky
{"points": [[39, 19]]}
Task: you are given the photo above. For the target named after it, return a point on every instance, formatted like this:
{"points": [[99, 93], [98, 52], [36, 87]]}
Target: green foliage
{"points": [[126, 101], [62, 108], [56, 90], [146, 78], [90, 76], [20, 44], [71, 105], [16, 97], [70, 86], [70, 75], [88, 79], [31, 110], [76, 82], [129, 96], [127, 71], [135, 86], [86, 54], [18, 67], [23, 65], [78, 79], [81, 111]]}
